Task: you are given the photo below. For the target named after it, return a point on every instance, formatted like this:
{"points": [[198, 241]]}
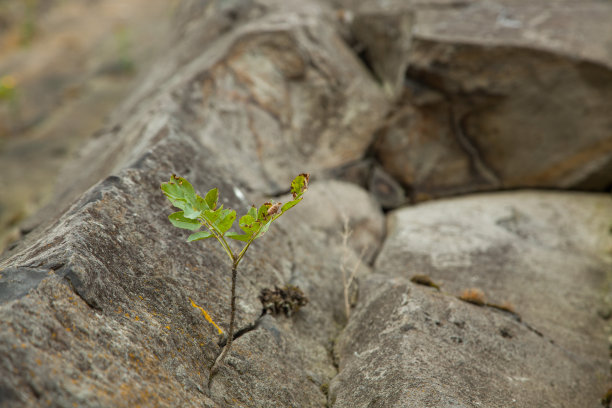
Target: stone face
{"points": [[291, 97], [419, 149], [385, 42], [100, 300], [100, 313], [411, 346], [547, 254], [330, 203], [522, 102], [113, 310], [527, 118]]}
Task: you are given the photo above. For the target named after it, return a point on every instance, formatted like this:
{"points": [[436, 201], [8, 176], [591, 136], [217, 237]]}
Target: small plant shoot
{"points": [[206, 219]]}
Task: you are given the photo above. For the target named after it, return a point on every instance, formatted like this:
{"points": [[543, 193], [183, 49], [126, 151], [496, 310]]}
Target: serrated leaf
{"points": [[238, 237], [211, 198], [299, 185], [178, 219], [199, 235], [253, 212]]}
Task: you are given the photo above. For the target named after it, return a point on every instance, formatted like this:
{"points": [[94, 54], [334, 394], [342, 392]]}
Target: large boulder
{"points": [[102, 301], [97, 295], [500, 94], [537, 337]]}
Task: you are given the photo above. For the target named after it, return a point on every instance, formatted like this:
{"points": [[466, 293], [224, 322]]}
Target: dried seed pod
{"points": [[287, 299], [274, 209]]}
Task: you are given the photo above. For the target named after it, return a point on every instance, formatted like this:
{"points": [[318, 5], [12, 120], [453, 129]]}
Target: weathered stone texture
{"points": [[516, 93], [96, 296], [410, 346], [546, 255]]}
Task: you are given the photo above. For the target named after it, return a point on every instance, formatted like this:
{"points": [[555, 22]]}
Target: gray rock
{"points": [[387, 191], [291, 97], [97, 297], [545, 254], [330, 203], [410, 346], [17, 282], [516, 85], [384, 39], [119, 328], [114, 324]]}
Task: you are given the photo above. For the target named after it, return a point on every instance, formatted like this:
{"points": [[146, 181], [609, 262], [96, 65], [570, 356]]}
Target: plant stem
{"points": [[230, 334], [219, 238]]}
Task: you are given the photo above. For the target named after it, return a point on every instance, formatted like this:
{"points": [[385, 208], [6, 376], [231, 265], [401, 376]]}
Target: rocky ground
{"points": [[466, 144]]}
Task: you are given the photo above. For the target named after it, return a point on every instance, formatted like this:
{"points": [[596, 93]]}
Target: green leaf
{"points": [[248, 224], [238, 237], [179, 191], [212, 216], [290, 205], [262, 213], [264, 228], [211, 198], [199, 235], [299, 185], [191, 212], [225, 221], [253, 212], [178, 219], [201, 204]]}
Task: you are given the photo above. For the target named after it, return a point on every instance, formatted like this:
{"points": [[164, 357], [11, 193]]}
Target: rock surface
{"points": [[497, 94], [97, 298], [546, 256]]}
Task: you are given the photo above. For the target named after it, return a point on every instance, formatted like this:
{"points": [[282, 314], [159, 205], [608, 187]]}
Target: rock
{"points": [[418, 148], [358, 172], [330, 204], [101, 312], [385, 40], [519, 129], [103, 300], [522, 101], [385, 189], [292, 97], [114, 326], [409, 346], [547, 254]]}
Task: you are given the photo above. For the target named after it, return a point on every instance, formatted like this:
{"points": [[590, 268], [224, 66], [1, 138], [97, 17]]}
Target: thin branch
{"points": [[347, 281], [230, 335], [219, 238]]}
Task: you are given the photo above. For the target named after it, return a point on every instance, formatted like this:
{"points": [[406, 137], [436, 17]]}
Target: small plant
{"points": [[212, 221]]}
